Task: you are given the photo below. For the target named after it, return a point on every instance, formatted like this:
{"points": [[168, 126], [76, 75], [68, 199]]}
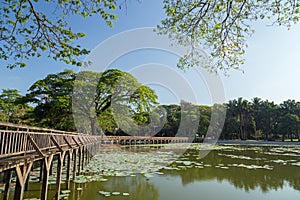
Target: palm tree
{"points": [[239, 113], [256, 108], [243, 114], [269, 118]]}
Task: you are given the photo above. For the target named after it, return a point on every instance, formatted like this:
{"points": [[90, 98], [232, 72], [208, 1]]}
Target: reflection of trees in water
{"points": [[240, 177], [138, 188]]}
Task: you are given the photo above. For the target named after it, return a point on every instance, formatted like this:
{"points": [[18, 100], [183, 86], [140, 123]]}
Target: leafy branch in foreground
{"points": [[221, 27], [29, 28]]}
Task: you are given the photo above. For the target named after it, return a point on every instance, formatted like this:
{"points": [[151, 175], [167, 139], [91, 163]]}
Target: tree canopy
{"points": [[12, 108], [114, 95], [52, 98], [221, 27], [52, 101], [88, 97], [31, 28]]}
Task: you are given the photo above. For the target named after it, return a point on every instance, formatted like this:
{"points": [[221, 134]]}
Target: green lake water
{"points": [[200, 173]]}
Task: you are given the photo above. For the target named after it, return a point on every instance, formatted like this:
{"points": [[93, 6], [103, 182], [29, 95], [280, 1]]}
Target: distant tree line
{"points": [[262, 119], [50, 103]]}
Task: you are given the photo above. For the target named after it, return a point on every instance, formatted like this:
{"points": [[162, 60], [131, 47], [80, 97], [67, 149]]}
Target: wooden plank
{"points": [[56, 143], [15, 143], [35, 146], [7, 143], [33, 128], [76, 141], [82, 141], [70, 146], [2, 142]]}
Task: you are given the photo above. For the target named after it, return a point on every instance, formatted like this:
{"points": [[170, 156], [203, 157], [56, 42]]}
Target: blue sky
{"points": [[271, 71]]}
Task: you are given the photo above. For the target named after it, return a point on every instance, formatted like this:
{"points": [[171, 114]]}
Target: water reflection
{"points": [[137, 187], [254, 173], [237, 174]]}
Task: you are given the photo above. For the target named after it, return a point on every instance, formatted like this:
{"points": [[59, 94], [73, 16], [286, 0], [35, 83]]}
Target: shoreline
{"points": [[257, 143], [210, 142]]}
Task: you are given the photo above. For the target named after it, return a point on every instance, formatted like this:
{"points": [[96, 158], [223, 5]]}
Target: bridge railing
{"points": [[19, 140]]}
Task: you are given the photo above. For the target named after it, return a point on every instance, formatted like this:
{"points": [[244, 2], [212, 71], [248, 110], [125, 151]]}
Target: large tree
{"points": [[117, 94], [113, 98], [52, 98], [222, 26], [88, 96]]}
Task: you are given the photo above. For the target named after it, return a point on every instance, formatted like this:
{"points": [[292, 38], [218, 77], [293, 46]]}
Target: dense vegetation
{"points": [[48, 103]]}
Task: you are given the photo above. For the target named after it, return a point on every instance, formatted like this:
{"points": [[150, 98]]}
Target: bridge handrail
{"points": [[34, 128], [20, 142]]}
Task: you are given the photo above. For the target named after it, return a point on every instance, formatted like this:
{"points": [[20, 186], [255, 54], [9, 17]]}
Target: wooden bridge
{"points": [[136, 140], [22, 147]]}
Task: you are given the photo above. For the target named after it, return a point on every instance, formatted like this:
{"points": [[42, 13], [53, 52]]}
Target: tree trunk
{"points": [[267, 136]]}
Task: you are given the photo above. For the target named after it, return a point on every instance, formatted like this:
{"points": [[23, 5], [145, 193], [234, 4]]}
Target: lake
{"points": [[205, 172]]}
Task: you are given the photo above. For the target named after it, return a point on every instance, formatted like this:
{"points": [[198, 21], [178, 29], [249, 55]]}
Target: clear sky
{"points": [[271, 71]]}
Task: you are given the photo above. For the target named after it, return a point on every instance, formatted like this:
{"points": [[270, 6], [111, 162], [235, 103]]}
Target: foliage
{"points": [[88, 96], [52, 98], [12, 108], [221, 27], [113, 94], [119, 104], [30, 28], [118, 87], [262, 119]]}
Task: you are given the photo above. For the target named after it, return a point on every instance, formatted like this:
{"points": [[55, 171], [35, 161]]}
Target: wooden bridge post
{"points": [[27, 181], [60, 159], [47, 164], [7, 180], [87, 154], [74, 164], [22, 175], [70, 153], [83, 157], [51, 169], [79, 160], [41, 170]]}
